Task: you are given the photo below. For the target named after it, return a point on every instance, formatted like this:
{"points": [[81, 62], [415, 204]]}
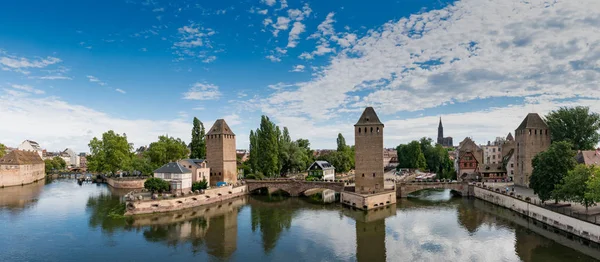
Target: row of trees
{"points": [[423, 155], [343, 158], [56, 163], [113, 153], [272, 151]]}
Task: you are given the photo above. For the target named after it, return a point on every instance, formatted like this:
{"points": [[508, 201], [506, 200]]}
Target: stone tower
{"points": [[368, 141], [531, 137], [220, 153]]}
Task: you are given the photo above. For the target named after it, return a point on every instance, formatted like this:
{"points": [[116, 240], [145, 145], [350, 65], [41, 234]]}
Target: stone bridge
{"points": [[403, 189], [293, 187]]}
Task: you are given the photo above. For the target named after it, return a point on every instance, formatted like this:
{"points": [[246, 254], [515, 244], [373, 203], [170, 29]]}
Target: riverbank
{"points": [[126, 182], [136, 206], [577, 227]]}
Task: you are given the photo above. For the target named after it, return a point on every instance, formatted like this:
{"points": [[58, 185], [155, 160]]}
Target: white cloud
{"points": [[199, 108], [202, 91], [267, 21], [94, 79], [143, 49], [521, 49], [76, 126], [52, 77], [194, 42], [209, 59], [263, 12], [298, 68], [120, 91], [268, 2], [158, 9], [273, 58], [20, 64], [28, 89], [297, 29], [281, 24]]}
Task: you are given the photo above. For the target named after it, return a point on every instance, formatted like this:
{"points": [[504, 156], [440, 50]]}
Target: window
{"points": [[359, 130], [512, 165], [363, 175], [373, 174], [529, 131], [378, 130], [494, 150], [535, 131], [371, 129], [546, 131]]}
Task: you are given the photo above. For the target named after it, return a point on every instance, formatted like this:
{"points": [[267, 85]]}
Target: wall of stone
{"points": [[367, 202], [21, 174], [221, 158], [126, 183], [575, 226], [167, 205], [404, 189], [528, 145]]}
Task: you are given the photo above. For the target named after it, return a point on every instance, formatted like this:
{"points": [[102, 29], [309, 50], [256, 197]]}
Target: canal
{"points": [[60, 220]]}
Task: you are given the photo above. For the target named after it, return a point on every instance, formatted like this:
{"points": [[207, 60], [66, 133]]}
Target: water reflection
{"points": [[370, 232], [271, 217], [16, 199]]}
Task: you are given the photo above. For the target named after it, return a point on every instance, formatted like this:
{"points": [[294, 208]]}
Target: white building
{"points": [[33, 146], [492, 153], [70, 157], [178, 176], [322, 168]]}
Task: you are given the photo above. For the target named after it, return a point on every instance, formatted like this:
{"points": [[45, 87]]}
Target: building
{"points": [[221, 153], [322, 169], [444, 141], [242, 155], [509, 164], [71, 158], [29, 145], [493, 173], [532, 137], [82, 160], [492, 153], [199, 167], [178, 176], [469, 157], [590, 157], [390, 157], [369, 190], [21, 167]]}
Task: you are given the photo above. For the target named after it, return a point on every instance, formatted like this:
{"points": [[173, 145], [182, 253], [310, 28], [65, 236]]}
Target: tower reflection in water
{"points": [[370, 232], [212, 228]]}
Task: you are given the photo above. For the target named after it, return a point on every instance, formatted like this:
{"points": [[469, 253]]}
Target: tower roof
{"points": [[510, 137], [532, 120], [368, 118], [220, 128], [440, 125], [173, 168]]}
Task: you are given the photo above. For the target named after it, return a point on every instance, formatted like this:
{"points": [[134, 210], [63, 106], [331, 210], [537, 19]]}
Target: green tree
{"points": [[341, 143], [576, 125], [49, 165], [198, 144], [411, 156], [549, 169], [593, 185], [253, 152], [165, 150], [268, 148], [109, 154], [156, 185], [2, 150], [199, 185], [574, 186], [59, 163], [142, 165], [308, 156]]}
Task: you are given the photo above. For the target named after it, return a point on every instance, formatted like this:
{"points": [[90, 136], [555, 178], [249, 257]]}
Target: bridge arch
{"points": [[404, 189], [294, 187]]}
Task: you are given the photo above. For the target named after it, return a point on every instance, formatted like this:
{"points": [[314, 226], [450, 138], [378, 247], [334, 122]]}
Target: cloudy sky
{"points": [[70, 70]]}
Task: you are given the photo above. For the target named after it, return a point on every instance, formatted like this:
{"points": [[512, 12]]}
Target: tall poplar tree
{"points": [[198, 144]]}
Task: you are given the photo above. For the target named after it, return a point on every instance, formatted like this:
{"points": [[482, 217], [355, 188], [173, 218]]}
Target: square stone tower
{"points": [[531, 137], [368, 142], [220, 153]]}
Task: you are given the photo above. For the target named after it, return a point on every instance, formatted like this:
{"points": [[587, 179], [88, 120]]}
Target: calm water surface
{"points": [[62, 221]]}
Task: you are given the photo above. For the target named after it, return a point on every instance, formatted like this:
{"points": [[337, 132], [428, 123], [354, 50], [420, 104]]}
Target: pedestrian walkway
{"points": [[575, 209]]}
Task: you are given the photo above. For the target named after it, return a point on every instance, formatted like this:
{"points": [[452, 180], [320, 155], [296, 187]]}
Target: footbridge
{"points": [[292, 186], [403, 189]]}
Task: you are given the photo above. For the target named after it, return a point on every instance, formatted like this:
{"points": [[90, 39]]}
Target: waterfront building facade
{"points": [[199, 168], [469, 157], [178, 176], [221, 153], [322, 169], [21, 167], [531, 137]]}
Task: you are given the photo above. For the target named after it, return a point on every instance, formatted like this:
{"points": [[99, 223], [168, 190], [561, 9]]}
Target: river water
{"points": [[62, 221]]}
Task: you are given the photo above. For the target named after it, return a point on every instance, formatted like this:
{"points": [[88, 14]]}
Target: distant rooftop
{"points": [[173, 168]]}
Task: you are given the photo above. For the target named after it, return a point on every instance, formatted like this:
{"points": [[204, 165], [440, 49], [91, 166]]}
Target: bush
{"points": [[154, 184], [200, 185]]}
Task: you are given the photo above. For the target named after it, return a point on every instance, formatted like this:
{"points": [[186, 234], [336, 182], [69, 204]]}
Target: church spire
{"points": [[440, 130]]}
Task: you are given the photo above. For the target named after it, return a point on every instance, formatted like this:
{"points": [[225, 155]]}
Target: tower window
{"points": [[371, 129], [529, 131], [535, 131], [219, 173], [546, 131], [378, 130], [363, 175], [373, 174], [359, 130]]}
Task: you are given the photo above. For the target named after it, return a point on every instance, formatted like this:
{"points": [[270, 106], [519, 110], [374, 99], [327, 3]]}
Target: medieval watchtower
{"points": [[532, 137], [368, 140], [220, 153]]}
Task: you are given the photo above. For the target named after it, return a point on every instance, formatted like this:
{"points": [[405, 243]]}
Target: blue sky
{"points": [[70, 70]]}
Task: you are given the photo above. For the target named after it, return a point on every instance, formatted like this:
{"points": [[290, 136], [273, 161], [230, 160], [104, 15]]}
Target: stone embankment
{"points": [[136, 206], [580, 228], [126, 182]]}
